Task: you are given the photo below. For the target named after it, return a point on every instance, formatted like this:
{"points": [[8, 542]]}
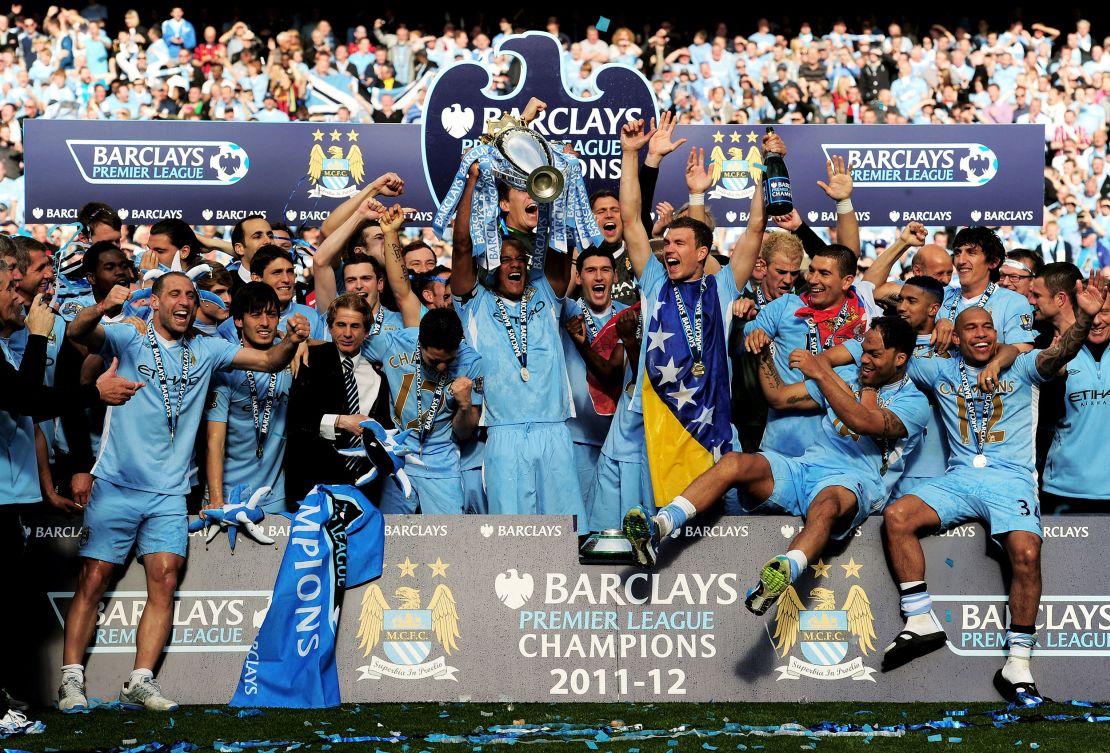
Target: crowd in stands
{"points": [[93, 64]]}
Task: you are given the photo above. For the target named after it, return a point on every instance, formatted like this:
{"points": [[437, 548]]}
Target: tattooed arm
{"points": [[407, 302], [1089, 298], [861, 415], [781, 396]]}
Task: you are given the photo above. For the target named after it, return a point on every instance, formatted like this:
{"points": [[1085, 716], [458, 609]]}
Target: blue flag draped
{"points": [[336, 541]]}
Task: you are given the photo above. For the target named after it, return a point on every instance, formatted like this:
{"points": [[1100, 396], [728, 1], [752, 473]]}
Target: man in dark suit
{"points": [[331, 395]]}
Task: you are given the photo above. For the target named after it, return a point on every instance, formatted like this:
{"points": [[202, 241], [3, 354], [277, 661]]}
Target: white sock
{"points": [[909, 584], [686, 506], [923, 624], [798, 558], [1017, 668], [139, 675], [77, 670]]}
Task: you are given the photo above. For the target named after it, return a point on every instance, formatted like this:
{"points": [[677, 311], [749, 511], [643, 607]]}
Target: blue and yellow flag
{"points": [[687, 410]]}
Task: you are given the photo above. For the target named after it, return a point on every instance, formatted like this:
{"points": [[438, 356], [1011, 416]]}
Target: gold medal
{"points": [[698, 370], [524, 375]]}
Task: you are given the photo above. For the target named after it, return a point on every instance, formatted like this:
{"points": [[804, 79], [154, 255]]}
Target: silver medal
{"points": [[980, 461]]}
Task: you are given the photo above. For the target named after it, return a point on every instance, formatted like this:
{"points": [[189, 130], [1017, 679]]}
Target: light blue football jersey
{"points": [[839, 447], [509, 399], [135, 448], [1009, 412], [398, 352], [1011, 312], [1071, 470], [230, 402]]}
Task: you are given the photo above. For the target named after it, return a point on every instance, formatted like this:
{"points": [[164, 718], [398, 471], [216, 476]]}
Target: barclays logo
{"points": [[457, 120], [952, 165], [169, 162]]}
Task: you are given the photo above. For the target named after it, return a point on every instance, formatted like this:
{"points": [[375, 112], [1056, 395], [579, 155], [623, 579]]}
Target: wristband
{"points": [[844, 206], [697, 199]]}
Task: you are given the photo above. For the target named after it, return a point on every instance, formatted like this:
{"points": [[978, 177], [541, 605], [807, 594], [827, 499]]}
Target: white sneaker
{"points": [[71, 694], [15, 723], [145, 695]]}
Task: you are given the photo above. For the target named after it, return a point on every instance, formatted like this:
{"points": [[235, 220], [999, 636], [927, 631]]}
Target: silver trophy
{"points": [[530, 159]]}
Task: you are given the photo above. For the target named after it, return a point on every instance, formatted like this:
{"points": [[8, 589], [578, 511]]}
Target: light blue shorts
{"points": [[119, 518], [797, 484], [585, 463], [530, 470], [1004, 501], [474, 492], [617, 487], [438, 496]]}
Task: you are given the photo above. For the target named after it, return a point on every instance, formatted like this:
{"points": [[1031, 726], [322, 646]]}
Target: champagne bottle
{"points": [[777, 198]]}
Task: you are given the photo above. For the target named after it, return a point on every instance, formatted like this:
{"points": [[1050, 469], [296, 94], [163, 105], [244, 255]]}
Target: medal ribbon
{"points": [[163, 382], [520, 349], [981, 303], [437, 396], [261, 431], [979, 433], [693, 334]]}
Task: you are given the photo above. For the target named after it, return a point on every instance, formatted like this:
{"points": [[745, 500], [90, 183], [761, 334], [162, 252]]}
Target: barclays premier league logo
{"points": [[917, 165], [459, 103], [163, 163]]}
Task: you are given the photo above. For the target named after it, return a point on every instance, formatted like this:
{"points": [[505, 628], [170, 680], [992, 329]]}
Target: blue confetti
{"points": [[591, 745], [602, 24], [955, 739], [950, 562], [246, 713], [935, 738], [602, 737], [947, 615], [1034, 746], [707, 746]]}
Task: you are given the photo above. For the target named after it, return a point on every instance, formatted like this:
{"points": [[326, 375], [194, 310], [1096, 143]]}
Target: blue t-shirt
{"points": [[545, 397], [1009, 412], [931, 457], [398, 353], [790, 432], [1071, 470], [230, 403], [1011, 312], [587, 426], [135, 449], [841, 448]]}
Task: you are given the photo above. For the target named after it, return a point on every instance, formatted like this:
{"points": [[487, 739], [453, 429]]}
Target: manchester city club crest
{"points": [[733, 172], [335, 173], [410, 632], [824, 634]]}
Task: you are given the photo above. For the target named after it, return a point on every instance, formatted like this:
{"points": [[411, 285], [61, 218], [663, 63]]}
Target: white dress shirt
{"points": [[367, 381]]}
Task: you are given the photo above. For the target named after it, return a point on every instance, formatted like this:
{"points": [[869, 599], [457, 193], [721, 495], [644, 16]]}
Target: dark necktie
{"points": [[355, 465]]}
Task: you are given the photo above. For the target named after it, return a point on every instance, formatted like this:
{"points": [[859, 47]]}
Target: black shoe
{"points": [[908, 646], [1018, 693]]}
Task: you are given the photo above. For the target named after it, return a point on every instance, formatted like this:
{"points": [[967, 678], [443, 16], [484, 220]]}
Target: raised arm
{"points": [[467, 414], [913, 234], [697, 183], [407, 302], [745, 250], [85, 327], [330, 252], [839, 189], [1089, 298], [636, 241], [781, 396], [464, 275], [389, 184]]}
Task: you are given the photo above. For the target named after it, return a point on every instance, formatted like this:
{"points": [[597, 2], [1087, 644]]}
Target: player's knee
{"points": [[898, 519], [1025, 558], [94, 579], [162, 579]]}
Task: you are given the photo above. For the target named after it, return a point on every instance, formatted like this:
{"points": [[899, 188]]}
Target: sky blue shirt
{"points": [[19, 474], [1009, 441], [509, 400], [1071, 470], [931, 457], [788, 432], [135, 448], [1011, 312], [398, 352], [587, 426], [229, 402], [839, 447]]}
